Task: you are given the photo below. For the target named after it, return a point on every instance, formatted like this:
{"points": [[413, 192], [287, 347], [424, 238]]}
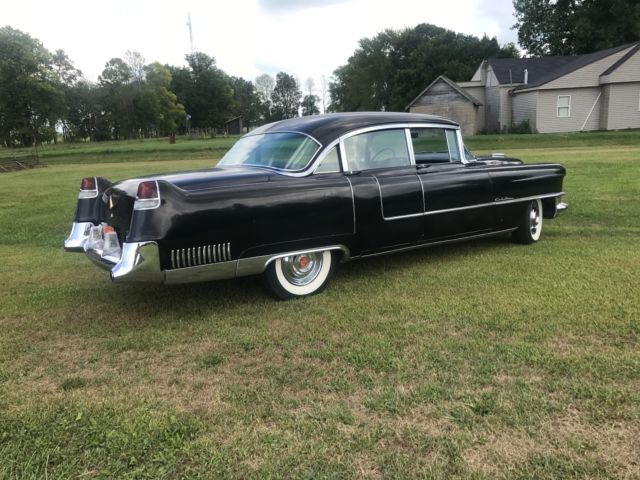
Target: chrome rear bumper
{"points": [[139, 261], [77, 237]]}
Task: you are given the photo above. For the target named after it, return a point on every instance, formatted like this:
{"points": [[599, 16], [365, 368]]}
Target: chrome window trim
{"points": [[319, 154], [412, 157], [385, 126], [316, 163], [442, 127], [451, 160], [469, 207], [462, 148], [301, 172]]}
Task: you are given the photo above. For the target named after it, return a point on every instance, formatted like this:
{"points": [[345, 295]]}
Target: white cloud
{"points": [[247, 37]]}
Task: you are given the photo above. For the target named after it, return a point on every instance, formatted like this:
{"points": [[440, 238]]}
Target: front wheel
{"points": [[530, 226], [299, 275]]}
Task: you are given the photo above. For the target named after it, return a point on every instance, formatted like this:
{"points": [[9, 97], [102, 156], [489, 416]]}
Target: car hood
{"points": [[200, 179]]}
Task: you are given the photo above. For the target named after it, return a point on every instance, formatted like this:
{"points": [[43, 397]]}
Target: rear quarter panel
{"points": [[257, 219]]}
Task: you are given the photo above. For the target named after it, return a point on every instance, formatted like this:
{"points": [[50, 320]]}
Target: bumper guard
{"points": [[139, 262]]}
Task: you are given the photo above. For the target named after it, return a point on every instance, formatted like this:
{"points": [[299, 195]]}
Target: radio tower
{"points": [[190, 31]]}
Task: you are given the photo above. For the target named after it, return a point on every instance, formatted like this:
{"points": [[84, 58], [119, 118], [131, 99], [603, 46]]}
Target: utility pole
{"points": [[190, 31]]}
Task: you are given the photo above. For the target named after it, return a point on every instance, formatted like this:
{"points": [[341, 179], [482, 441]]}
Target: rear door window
{"points": [[435, 145]]}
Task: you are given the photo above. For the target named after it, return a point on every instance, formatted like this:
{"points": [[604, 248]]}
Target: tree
{"points": [[135, 62], [84, 117], [390, 69], [573, 27], [31, 94], [310, 105], [205, 91], [285, 98], [264, 86], [246, 101], [157, 108], [310, 85], [116, 97], [324, 90]]}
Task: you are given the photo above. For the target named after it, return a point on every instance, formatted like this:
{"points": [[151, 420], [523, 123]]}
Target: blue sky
{"points": [[307, 38]]}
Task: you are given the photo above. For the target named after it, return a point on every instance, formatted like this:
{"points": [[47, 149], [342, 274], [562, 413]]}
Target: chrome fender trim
{"points": [[257, 265], [201, 273], [77, 237], [235, 268], [140, 262]]}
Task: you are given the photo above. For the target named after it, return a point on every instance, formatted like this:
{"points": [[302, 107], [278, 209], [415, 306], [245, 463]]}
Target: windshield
{"points": [[284, 151]]}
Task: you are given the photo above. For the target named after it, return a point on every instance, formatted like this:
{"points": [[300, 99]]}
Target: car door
{"points": [[388, 199], [457, 195]]}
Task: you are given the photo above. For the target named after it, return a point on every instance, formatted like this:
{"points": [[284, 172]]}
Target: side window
{"points": [[330, 163], [454, 148], [468, 156], [379, 149], [430, 145]]}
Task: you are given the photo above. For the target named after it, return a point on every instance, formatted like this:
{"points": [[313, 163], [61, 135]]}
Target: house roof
{"points": [[452, 84], [571, 64], [624, 58], [511, 70]]}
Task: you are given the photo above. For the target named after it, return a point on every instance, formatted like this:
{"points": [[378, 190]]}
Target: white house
{"points": [[598, 91]]}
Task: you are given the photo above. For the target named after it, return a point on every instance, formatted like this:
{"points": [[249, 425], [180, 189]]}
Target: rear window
{"points": [[282, 151]]}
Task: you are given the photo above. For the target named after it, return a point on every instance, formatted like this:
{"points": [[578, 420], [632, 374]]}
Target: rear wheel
{"points": [[530, 226], [299, 275]]}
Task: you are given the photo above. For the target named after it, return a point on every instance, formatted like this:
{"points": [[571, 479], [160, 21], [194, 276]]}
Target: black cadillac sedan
{"points": [[294, 198]]}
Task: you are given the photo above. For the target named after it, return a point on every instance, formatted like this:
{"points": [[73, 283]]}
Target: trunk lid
{"points": [[196, 179]]}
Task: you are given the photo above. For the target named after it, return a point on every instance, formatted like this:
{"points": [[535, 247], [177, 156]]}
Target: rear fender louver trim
{"points": [[202, 255]]}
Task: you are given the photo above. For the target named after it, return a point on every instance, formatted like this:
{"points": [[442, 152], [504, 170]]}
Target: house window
{"points": [[564, 106]]}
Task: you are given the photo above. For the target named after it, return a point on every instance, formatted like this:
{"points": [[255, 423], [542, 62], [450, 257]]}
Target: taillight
{"points": [[88, 183], [88, 188], [148, 196]]}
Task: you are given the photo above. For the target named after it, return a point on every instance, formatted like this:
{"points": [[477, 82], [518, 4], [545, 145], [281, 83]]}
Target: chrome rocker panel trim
{"points": [[77, 237], [237, 268]]}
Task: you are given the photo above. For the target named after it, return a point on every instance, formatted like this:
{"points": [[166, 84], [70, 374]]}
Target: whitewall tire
{"points": [[299, 275], [530, 227]]}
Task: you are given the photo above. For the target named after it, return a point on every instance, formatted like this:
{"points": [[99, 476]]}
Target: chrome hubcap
{"points": [[302, 269], [534, 219]]}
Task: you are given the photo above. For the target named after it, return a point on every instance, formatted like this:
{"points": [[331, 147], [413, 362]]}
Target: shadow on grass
{"points": [[246, 296]]}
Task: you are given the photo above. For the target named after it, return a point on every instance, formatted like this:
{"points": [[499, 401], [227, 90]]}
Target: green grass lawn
{"points": [[477, 360]]}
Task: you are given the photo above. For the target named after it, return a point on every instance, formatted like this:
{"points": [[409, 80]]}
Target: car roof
{"points": [[326, 128]]}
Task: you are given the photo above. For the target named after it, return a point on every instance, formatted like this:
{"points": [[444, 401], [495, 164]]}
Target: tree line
{"points": [[42, 94]]}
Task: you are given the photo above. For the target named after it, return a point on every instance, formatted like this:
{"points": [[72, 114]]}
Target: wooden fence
{"points": [[22, 162]]}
